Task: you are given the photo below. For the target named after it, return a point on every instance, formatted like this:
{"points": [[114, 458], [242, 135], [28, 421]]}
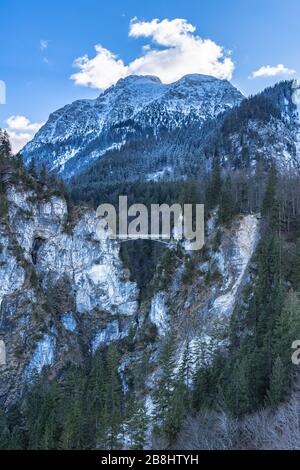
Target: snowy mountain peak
{"points": [[137, 79], [197, 77], [137, 106]]}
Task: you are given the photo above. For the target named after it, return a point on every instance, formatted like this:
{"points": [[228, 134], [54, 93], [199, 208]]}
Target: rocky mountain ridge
{"points": [[137, 107]]}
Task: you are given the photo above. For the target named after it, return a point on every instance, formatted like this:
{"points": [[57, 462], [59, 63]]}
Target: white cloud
{"points": [[180, 52], [21, 131], [268, 71], [165, 32], [44, 44], [100, 72]]}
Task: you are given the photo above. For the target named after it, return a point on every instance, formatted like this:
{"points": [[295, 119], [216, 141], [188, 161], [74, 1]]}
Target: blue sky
{"points": [[41, 40]]}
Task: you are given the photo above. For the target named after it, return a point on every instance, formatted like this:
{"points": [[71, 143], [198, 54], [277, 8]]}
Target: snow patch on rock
{"points": [[245, 244], [12, 275], [69, 322], [107, 335], [43, 355], [159, 313]]}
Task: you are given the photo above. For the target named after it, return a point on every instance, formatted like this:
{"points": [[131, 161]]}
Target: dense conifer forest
{"points": [[89, 407]]}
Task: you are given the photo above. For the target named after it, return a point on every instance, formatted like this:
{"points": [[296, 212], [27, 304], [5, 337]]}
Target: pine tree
{"points": [[4, 431], [180, 399], [295, 271], [214, 186], [185, 374], [5, 146], [43, 174], [176, 412], [226, 203], [270, 205], [239, 388], [111, 416], [49, 438], [277, 384], [95, 400], [16, 439], [32, 168], [73, 409], [71, 438], [202, 388], [165, 386], [137, 424]]}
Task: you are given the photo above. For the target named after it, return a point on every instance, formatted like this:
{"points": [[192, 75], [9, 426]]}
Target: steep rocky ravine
{"points": [[64, 293]]}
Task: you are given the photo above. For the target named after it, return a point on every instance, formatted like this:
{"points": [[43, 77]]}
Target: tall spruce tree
{"points": [[295, 270], [165, 385], [270, 205], [111, 416], [176, 412], [137, 423], [226, 203], [213, 191], [277, 387]]}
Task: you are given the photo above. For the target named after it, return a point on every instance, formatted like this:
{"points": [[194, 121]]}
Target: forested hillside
{"points": [[228, 381]]}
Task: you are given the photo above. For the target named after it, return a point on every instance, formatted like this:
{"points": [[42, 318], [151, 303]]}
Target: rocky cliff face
{"points": [[62, 295], [213, 292]]}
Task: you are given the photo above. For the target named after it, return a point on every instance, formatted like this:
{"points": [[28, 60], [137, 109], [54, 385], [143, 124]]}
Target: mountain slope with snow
{"points": [[135, 108], [265, 128]]}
